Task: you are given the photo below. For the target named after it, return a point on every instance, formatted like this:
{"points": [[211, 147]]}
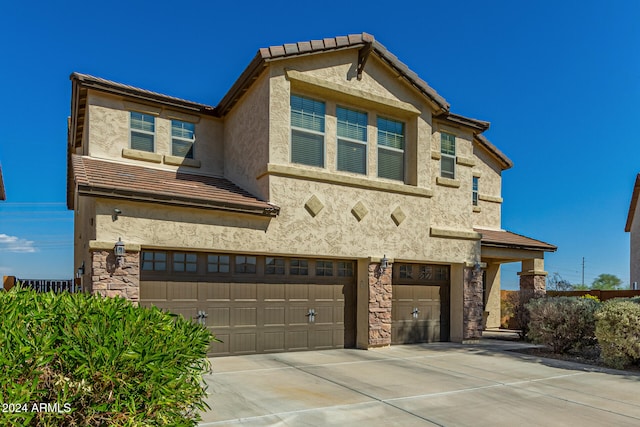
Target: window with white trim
{"points": [[448, 155], [474, 191], [352, 140], [307, 131], [142, 131], [183, 136], [390, 149]]}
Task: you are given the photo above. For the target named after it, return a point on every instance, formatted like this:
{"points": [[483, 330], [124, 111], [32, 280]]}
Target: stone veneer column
{"points": [[533, 279], [113, 280], [379, 305], [472, 304]]}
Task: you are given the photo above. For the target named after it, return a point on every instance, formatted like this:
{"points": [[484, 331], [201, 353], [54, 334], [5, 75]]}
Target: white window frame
{"points": [[344, 138], [475, 187], [393, 149], [146, 132], [446, 155], [309, 131], [179, 138]]}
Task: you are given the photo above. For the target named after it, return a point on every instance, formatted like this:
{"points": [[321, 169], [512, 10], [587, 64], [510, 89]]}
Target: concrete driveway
{"points": [[432, 384]]}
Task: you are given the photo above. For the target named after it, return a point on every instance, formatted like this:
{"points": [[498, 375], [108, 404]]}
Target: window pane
{"points": [[182, 148], [448, 144], [352, 156], [307, 149], [141, 141], [448, 167], [160, 256], [307, 113], [182, 129], [352, 124], [143, 122], [192, 257], [274, 265], [390, 164], [390, 133], [161, 266], [178, 257], [147, 265]]}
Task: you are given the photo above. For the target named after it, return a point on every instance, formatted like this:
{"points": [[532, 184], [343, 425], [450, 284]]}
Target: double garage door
{"points": [[256, 312]]}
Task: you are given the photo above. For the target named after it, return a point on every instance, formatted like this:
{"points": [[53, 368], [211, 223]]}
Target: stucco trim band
{"points": [[487, 198], [447, 182], [181, 161], [330, 178], [454, 234], [143, 108], [146, 156], [435, 155], [533, 273], [465, 161], [95, 245], [477, 209], [300, 80]]}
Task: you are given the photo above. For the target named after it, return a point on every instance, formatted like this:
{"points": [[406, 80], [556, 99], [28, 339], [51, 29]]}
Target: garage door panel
{"points": [[183, 291], [244, 292], [243, 342], [219, 316], [297, 292], [297, 315], [297, 339], [154, 291], [244, 316], [214, 291], [274, 316], [325, 292], [274, 292], [322, 339], [222, 347], [273, 341]]}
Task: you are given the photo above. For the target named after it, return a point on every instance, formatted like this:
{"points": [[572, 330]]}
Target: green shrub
{"points": [[618, 332], [562, 323], [102, 361]]}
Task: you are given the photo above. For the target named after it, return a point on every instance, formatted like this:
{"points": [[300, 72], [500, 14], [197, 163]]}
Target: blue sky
{"points": [[559, 82]]}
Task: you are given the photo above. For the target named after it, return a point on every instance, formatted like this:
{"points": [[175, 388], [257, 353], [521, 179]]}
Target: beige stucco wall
{"points": [[246, 139], [635, 246], [489, 184], [492, 295], [109, 133]]}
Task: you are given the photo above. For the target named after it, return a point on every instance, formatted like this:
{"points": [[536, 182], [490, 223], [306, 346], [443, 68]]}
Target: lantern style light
{"points": [[118, 249], [384, 262]]}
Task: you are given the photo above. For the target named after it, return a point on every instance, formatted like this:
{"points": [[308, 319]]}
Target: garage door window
{"points": [[324, 268], [185, 263], [274, 265], [218, 263], [406, 272], [154, 261], [299, 267], [345, 269], [245, 264]]}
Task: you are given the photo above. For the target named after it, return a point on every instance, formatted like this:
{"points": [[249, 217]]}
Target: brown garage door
{"points": [[257, 304], [420, 303]]}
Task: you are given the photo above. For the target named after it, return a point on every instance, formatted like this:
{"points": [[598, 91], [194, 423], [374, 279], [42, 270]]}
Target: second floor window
{"points": [[474, 191], [352, 140], [448, 155], [307, 131], [182, 138], [142, 131], [390, 149]]}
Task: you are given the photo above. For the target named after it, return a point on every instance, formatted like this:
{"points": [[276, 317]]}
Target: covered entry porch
{"points": [[501, 247]]}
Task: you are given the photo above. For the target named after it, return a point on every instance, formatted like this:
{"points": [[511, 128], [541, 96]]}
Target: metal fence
{"points": [[43, 285]]}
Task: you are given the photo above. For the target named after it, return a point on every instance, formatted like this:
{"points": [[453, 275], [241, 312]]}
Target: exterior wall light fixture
{"points": [[384, 262], [119, 251]]}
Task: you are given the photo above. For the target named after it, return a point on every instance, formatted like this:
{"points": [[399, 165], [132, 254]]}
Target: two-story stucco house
{"points": [[633, 228], [331, 199]]}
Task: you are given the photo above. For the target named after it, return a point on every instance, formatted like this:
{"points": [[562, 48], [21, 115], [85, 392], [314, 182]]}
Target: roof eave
{"points": [[632, 206], [505, 161], [549, 248]]}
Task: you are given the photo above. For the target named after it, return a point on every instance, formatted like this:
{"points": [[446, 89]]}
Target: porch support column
{"points": [[112, 278], [533, 278], [380, 290], [472, 303]]}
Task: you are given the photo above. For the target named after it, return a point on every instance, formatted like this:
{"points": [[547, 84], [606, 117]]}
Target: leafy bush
{"points": [[562, 323], [589, 296], [618, 332], [98, 361]]}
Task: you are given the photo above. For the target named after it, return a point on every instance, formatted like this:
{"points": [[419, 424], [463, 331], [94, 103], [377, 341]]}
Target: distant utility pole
{"points": [[582, 271]]}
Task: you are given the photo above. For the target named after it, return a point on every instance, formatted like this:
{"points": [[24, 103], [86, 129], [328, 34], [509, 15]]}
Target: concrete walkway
{"points": [[442, 384]]}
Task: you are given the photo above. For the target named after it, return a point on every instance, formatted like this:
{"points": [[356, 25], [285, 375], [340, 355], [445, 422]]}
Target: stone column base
{"points": [[472, 305], [379, 306], [113, 279]]}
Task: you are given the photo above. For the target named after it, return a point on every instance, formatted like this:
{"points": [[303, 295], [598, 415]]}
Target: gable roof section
{"points": [[505, 162], [634, 203], [507, 239], [364, 41], [111, 179]]}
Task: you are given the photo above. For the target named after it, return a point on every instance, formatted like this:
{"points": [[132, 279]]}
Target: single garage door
{"points": [[256, 304], [420, 303]]}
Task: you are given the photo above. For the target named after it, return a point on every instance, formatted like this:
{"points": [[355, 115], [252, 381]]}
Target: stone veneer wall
{"points": [[535, 284], [472, 304], [113, 280], [379, 306]]}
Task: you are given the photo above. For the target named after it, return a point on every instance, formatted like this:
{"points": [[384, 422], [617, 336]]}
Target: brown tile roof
{"points": [[110, 179], [351, 41], [91, 82], [507, 239], [633, 204], [502, 158]]}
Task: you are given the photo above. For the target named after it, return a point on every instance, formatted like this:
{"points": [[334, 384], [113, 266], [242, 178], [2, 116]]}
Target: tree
{"points": [[606, 282], [555, 282]]}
